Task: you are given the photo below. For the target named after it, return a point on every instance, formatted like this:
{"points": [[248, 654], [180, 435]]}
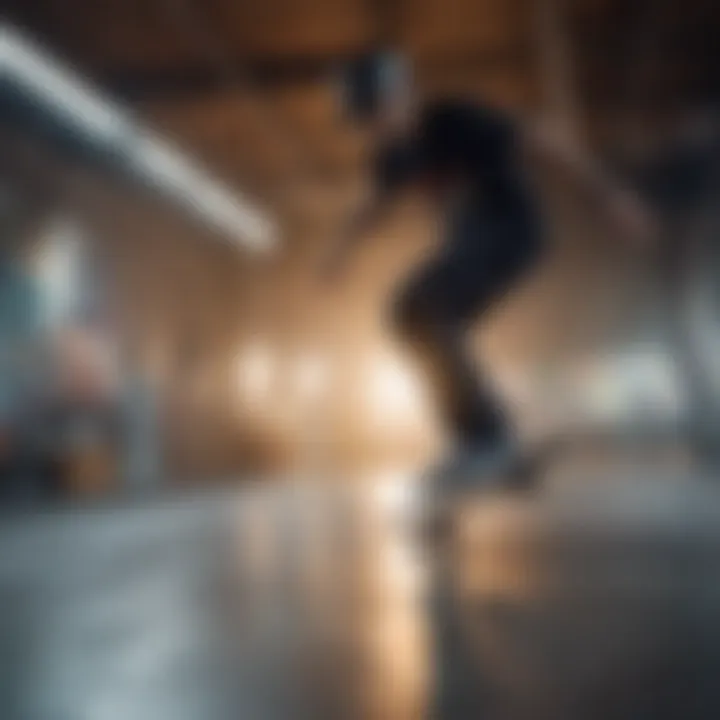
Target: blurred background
{"points": [[171, 172]]}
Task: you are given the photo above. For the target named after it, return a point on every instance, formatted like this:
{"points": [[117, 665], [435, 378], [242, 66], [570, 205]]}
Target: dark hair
{"points": [[368, 80]]}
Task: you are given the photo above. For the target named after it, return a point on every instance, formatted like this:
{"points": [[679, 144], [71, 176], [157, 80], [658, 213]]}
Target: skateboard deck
{"points": [[522, 474]]}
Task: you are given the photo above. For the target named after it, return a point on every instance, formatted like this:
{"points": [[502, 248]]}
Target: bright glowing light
{"points": [[395, 397], [255, 374]]}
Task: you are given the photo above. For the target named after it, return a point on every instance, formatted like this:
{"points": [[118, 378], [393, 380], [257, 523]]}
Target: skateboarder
{"points": [[466, 157]]}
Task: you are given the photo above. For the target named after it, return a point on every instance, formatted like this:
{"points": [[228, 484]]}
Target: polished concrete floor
{"points": [[297, 600]]}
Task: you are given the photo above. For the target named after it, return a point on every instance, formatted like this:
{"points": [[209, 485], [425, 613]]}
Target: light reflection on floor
{"points": [[302, 600]]}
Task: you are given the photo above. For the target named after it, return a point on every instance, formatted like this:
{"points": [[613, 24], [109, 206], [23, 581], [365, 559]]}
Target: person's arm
{"points": [[393, 170], [622, 206]]}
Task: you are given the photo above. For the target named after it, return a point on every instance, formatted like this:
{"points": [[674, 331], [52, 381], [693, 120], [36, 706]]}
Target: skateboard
{"points": [[521, 475]]}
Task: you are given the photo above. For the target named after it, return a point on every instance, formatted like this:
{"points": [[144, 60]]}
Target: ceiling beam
{"points": [[269, 73]]}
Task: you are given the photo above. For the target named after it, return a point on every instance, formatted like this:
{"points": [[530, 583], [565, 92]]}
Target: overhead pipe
{"points": [[57, 91]]}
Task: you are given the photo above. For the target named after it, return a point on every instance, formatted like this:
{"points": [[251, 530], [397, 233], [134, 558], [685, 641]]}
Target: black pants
{"points": [[437, 307]]}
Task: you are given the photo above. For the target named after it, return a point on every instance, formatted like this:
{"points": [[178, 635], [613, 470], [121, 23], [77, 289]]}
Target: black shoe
{"points": [[475, 468]]}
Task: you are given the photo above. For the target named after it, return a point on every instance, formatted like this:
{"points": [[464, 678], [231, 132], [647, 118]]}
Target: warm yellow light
{"points": [[395, 396]]}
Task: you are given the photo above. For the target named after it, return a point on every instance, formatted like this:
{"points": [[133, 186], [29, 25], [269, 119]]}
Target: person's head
{"points": [[377, 92]]}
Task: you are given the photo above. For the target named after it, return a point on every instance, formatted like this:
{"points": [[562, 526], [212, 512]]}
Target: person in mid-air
{"points": [[468, 159]]}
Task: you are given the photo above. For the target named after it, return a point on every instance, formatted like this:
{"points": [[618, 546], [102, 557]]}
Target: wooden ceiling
{"points": [[156, 47], [172, 35], [244, 81]]}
